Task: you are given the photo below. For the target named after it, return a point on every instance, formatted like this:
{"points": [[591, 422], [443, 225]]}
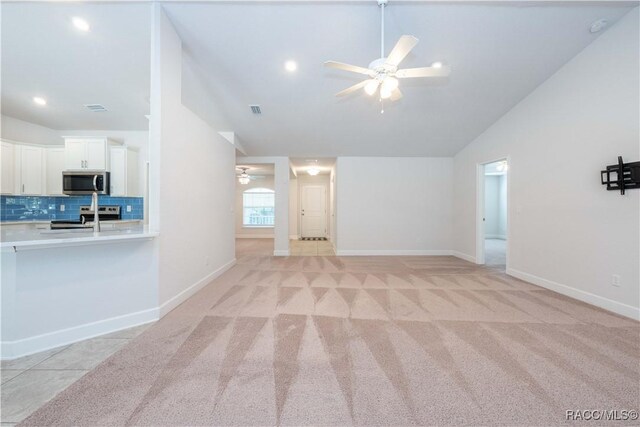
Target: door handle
{"points": [[95, 182]]}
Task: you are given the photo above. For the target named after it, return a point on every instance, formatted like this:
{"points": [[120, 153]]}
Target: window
{"points": [[258, 207]]}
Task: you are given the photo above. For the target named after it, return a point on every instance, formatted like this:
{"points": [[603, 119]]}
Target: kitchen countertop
{"points": [[40, 221], [39, 239]]}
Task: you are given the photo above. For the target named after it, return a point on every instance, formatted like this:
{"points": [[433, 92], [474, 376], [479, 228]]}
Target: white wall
{"points": [[566, 232], [251, 232], [394, 205], [192, 177], [21, 131]]}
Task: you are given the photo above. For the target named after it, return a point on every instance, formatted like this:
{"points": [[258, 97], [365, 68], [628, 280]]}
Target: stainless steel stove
{"points": [[106, 213]]}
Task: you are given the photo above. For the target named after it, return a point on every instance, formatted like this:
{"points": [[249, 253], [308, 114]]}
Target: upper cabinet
{"points": [[124, 172], [31, 170], [87, 153], [7, 157], [55, 166]]}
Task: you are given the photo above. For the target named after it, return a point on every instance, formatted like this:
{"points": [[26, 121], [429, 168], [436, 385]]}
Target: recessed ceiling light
{"points": [[40, 101], [313, 171], [290, 66], [598, 25], [437, 65], [80, 24]]}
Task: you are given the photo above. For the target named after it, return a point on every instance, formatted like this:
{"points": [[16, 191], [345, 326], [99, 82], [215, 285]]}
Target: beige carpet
{"points": [[367, 341]]}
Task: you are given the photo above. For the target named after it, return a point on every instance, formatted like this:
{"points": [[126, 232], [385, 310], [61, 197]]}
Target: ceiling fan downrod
{"points": [[382, 4]]}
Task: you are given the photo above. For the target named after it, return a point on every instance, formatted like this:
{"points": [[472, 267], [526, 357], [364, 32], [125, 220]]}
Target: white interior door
{"points": [[313, 211]]}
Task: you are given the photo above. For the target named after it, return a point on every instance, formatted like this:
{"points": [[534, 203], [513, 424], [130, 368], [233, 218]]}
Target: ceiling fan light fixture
{"points": [[371, 87], [389, 84], [384, 93], [244, 180]]}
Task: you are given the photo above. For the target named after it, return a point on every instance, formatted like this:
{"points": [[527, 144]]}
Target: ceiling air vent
{"points": [[255, 109], [96, 108]]}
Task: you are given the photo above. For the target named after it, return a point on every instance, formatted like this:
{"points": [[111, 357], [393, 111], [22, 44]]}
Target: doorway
{"points": [[313, 212], [493, 210]]}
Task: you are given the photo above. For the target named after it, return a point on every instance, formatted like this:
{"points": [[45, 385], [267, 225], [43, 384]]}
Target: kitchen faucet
{"points": [[96, 216]]}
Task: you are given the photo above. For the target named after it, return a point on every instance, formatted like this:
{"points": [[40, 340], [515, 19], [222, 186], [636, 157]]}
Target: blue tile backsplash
{"points": [[43, 208]]}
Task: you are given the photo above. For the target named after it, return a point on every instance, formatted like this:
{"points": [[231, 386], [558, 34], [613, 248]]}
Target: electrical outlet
{"points": [[128, 208], [61, 208], [615, 280]]}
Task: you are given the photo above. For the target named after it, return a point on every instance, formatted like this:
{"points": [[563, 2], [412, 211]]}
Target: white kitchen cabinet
{"points": [[87, 153], [7, 157], [55, 160], [31, 170], [124, 172]]}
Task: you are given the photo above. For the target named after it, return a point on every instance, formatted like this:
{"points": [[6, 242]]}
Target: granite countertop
{"points": [[40, 239]]}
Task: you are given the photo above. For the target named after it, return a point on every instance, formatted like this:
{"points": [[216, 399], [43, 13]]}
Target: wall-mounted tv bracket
{"points": [[623, 176]]}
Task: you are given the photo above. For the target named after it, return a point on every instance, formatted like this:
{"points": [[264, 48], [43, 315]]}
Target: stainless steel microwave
{"points": [[85, 182]]}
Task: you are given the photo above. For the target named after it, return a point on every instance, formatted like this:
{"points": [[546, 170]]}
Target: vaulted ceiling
{"points": [[499, 52]]}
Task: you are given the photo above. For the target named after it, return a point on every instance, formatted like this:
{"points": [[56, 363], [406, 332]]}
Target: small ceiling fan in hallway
{"points": [[383, 72]]}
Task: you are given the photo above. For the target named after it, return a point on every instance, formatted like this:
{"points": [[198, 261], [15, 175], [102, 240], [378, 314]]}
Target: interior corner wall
{"points": [[192, 168], [394, 205], [565, 231]]}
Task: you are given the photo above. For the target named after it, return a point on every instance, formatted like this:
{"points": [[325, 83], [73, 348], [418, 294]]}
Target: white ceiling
{"points": [[302, 165], [43, 54], [498, 52], [261, 169]]}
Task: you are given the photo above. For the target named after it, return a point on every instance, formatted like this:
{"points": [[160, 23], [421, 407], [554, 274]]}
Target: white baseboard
{"points": [[605, 303], [281, 252], [464, 256], [38, 343], [178, 299], [391, 252], [495, 236], [255, 236]]}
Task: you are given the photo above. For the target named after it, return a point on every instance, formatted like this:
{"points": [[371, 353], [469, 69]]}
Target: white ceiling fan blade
{"points": [[353, 88], [348, 67], [396, 94], [423, 72], [401, 49]]}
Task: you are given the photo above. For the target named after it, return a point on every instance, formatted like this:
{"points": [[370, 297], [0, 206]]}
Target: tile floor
{"points": [[311, 248], [495, 253], [31, 381]]}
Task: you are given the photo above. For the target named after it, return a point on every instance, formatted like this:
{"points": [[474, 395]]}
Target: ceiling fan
{"points": [[383, 72], [244, 177]]}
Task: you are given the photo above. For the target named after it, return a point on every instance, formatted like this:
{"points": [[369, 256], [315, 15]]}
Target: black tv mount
{"points": [[625, 176]]}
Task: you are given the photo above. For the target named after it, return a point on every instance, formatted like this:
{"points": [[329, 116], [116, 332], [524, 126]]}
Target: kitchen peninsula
{"points": [[59, 287]]}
